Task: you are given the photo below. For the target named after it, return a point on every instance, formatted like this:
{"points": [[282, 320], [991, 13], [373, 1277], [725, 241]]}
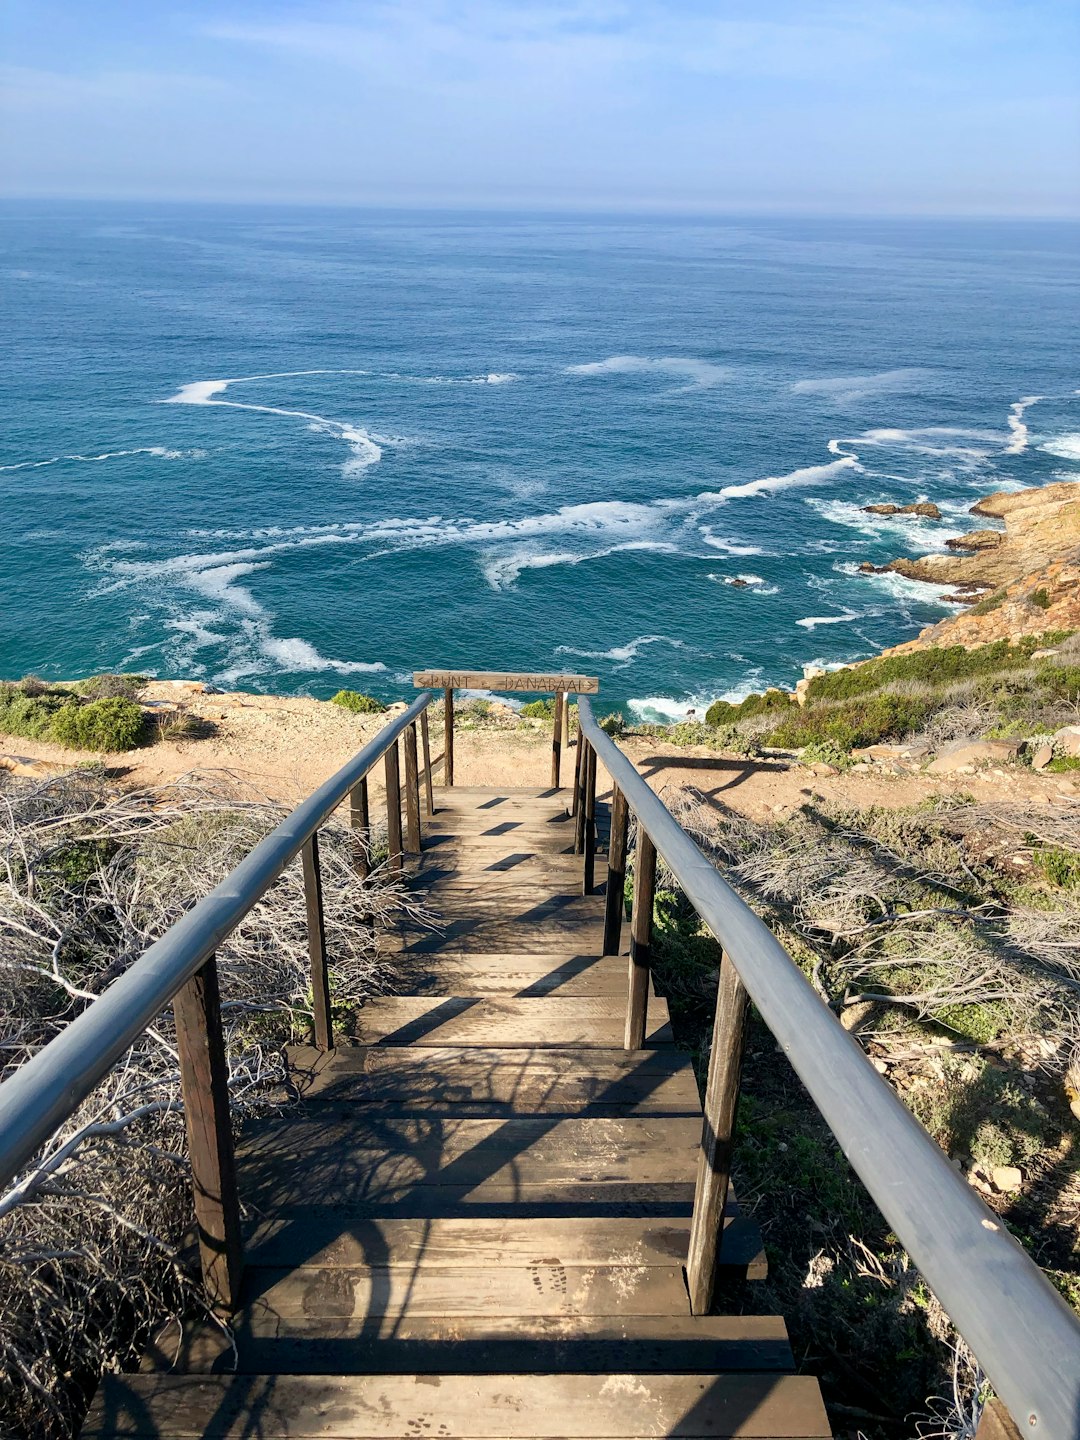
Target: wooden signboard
{"points": [[499, 680]]}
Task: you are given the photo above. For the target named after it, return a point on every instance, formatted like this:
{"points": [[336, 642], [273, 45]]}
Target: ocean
{"points": [[293, 450]]}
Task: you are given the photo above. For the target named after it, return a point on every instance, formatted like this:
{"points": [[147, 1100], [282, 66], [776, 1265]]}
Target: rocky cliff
{"points": [[1021, 579]]}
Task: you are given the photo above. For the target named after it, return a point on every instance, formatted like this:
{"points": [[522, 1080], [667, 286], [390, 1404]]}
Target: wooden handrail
{"points": [[181, 969], [1021, 1331], [562, 686]]}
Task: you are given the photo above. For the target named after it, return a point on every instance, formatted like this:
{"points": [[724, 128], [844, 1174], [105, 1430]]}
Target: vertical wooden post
{"points": [[393, 806], [575, 799], [579, 807], [556, 738], [590, 822], [641, 922], [204, 1084], [412, 793], [448, 736], [616, 874], [320, 978], [425, 740], [566, 723], [717, 1138], [360, 820]]}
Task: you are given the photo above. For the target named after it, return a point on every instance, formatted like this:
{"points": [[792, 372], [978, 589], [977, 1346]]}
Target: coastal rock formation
{"points": [[1025, 582], [926, 509]]}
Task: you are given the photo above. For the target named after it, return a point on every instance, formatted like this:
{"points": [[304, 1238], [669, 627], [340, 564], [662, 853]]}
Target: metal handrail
{"points": [[46, 1090], [1023, 1334]]}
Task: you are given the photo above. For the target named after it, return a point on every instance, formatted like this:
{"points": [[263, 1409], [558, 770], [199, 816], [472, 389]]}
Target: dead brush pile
{"points": [[947, 938], [91, 1233]]}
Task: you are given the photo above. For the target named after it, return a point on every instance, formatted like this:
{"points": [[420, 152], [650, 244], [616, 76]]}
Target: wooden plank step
{"points": [[322, 1239], [459, 1407], [447, 1150], [551, 1020], [387, 1294], [458, 1344], [495, 1082], [500, 934], [499, 975]]}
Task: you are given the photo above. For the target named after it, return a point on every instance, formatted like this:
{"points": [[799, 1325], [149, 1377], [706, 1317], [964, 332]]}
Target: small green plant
{"points": [[613, 724], [108, 725], [1060, 867], [850, 726], [110, 687], [989, 602], [477, 709], [1041, 598], [359, 704], [1062, 764], [538, 710]]}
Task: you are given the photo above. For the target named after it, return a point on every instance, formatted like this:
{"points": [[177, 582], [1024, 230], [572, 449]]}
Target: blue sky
{"points": [[880, 106]]}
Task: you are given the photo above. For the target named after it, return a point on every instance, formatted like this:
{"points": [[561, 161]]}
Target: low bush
{"points": [[937, 666], [613, 724], [111, 725], [29, 715], [110, 687], [852, 725], [1041, 598], [356, 702], [538, 710], [725, 712]]}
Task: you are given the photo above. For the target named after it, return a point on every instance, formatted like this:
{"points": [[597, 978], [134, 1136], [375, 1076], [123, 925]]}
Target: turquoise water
{"points": [[291, 450]]}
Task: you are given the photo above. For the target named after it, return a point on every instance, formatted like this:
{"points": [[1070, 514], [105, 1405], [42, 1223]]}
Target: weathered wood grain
{"points": [[494, 1020], [473, 1407]]}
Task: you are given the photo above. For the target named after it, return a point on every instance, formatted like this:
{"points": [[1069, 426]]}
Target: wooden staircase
{"points": [[475, 1222]]}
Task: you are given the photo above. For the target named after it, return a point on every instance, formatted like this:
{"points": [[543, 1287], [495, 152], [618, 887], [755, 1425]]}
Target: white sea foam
{"points": [[366, 447], [1065, 447], [665, 709], [809, 475], [729, 547], [1018, 430], [850, 389], [748, 582], [899, 587], [160, 452], [811, 622], [622, 654], [299, 655], [700, 374], [904, 527]]}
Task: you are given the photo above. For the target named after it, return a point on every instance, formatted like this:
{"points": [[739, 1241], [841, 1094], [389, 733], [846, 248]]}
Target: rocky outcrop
{"points": [[1023, 581], [925, 509], [969, 754]]}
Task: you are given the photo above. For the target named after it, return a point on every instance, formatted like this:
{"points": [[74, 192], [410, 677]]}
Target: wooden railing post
{"points": [[204, 1085], [616, 874], [557, 739], [320, 977], [579, 796], [641, 924], [717, 1138], [360, 820], [412, 793], [425, 741], [566, 722], [448, 735], [575, 798], [393, 806], [590, 822]]}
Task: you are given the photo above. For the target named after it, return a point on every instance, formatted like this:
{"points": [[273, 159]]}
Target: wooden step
{"points": [[550, 1020], [498, 1081], [468, 1344], [459, 1407], [321, 1238], [521, 975]]}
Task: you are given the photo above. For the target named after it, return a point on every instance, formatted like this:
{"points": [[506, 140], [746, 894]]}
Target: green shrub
{"points": [[112, 725], [938, 666], [357, 703], [1041, 598], [613, 724], [30, 716], [989, 602], [538, 710], [478, 709], [110, 687], [724, 712], [853, 725]]}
